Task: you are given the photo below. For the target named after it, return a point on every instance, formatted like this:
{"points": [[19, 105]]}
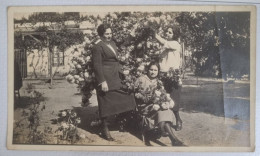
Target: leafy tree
{"points": [[234, 38], [219, 41]]}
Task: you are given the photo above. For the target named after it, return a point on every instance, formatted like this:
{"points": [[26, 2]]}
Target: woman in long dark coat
{"points": [[111, 99]]}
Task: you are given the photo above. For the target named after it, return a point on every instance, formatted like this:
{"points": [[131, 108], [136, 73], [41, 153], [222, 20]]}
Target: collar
{"points": [[151, 80], [105, 41]]}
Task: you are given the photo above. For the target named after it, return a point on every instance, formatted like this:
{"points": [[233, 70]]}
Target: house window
{"points": [[58, 59]]}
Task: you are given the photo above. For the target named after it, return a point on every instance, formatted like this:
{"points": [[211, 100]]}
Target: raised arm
{"points": [[174, 45], [160, 39]]}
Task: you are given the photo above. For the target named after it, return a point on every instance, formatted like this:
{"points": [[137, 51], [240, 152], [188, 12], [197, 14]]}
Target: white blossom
{"points": [[156, 107], [157, 93], [76, 77], [126, 72], [86, 74], [171, 104]]}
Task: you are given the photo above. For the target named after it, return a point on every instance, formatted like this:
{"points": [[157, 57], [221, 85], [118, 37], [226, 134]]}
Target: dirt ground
{"points": [[214, 113]]}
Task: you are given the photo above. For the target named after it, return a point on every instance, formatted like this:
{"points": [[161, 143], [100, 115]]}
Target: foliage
{"points": [[214, 38], [31, 120], [29, 87], [219, 41], [133, 34], [63, 38], [50, 31], [171, 79], [68, 122], [53, 17], [153, 98]]}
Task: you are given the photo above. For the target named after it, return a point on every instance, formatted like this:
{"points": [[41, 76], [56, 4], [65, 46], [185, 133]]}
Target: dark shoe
{"points": [[178, 125], [106, 134], [177, 143], [109, 138]]}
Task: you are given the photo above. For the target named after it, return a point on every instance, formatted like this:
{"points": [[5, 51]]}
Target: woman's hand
{"points": [[159, 38], [104, 86]]}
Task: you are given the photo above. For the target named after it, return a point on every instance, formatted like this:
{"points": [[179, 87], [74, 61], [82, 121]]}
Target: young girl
{"points": [[153, 115], [171, 59]]}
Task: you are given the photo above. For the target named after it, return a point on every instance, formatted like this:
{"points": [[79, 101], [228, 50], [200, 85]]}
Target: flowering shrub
{"points": [[133, 34], [171, 79], [156, 98], [81, 69], [30, 120], [68, 122]]}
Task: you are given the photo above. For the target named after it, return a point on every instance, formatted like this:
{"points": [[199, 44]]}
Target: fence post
{"points": [[49, 60]]}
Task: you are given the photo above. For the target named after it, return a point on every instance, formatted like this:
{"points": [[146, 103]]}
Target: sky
{"points": [[19, 16]]}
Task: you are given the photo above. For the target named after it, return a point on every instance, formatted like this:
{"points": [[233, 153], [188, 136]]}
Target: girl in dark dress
{"points": [[111, 99]]}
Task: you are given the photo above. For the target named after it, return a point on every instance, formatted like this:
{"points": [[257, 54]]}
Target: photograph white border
{"points": [[12, 10], [3, 77]]}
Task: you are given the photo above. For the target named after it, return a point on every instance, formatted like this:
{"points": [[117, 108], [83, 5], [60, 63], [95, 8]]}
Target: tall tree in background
{"points": [[219, 42], [234, 38]]}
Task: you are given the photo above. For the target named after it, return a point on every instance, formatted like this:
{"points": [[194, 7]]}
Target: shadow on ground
{"points": [[217, 98], [89, 114], [26, 101]]}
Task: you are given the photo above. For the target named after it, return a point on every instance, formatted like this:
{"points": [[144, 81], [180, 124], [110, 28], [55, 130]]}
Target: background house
{"points": [[35, 63]]}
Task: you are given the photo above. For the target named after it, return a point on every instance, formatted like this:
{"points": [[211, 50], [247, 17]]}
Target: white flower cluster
{"points": [[167, 103]]}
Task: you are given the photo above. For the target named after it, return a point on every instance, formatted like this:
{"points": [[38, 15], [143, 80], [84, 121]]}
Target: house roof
{"points": [[30, 27]]}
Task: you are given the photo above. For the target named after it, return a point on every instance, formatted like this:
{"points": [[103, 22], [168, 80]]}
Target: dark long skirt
{"points": [[176, 97], [114, 102]]}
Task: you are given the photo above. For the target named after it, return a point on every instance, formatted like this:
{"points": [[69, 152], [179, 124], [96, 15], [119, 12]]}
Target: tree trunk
{"points": [[50, 60], [50, 63]]}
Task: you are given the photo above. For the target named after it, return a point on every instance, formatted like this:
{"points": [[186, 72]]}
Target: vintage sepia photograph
{"points": [[142, 78]]}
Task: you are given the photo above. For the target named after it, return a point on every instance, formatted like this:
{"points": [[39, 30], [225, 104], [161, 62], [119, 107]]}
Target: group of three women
{"points": [[112, 100]]}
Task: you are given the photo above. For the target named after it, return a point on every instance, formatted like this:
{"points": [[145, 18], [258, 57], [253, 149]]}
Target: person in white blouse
{"points": [[171, 58]]}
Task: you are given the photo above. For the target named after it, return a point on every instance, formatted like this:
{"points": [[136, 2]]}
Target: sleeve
{"points": [[97, 64], [174, 45]]}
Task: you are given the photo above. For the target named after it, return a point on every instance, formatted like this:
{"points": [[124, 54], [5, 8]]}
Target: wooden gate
{"points": [[21, 58]]}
